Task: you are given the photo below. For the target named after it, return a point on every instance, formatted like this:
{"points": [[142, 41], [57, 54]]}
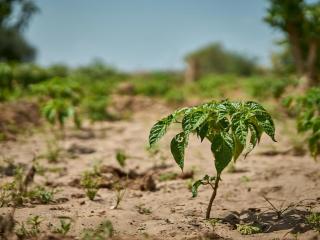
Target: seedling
{"points": [[120, 191], [34, 228], [225, 124], [103, 231], [279, 210], [97, 168], [41, 195], [214, 222], [91, 184], [64, 227], [121, 157], [58, 110], [15, 192], [314, 221], [143, 210], [53, 151], [246, 229]]}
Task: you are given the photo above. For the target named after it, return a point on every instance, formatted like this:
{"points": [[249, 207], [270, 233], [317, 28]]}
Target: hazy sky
{"points": [[146, 34]]}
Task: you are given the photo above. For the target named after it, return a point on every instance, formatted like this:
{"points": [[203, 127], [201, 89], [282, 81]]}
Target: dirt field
{"points": [[169, 211]]}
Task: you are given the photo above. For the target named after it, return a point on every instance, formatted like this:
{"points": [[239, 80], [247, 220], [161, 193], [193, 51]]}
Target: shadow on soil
{"points": [[292, 220]]}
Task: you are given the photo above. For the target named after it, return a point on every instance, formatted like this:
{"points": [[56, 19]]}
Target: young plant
{"points": [[307, 111], [121, 157], [120, 191], [143, 210], [53, 151], [58, 110], [278, 210], [314, 221], [61, 97], [64, 227], [103, 231], [15, 192], [91, 184], [34, 228], [41, 194], [225, 124], [246, 229]]}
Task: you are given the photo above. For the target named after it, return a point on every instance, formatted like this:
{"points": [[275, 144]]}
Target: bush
{"points": [[27, 74], [216, 85], [268, 86], [155, 84], [306, 108]]}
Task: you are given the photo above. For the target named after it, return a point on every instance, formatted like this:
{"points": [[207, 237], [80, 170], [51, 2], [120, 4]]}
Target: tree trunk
{"points": [[312, 78], [296, 49], [192, 71]]}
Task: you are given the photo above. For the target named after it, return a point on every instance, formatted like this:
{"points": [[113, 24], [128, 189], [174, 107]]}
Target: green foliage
{"points": [[154, 84], [216, 84], [58, 88], [120, 192], [204, 181], [214, 58], [95, 107], [314, 221], [265, 87], [53, 151], [13, 193], [58, 110], [121, 157], [41, 194], [64, 227], [299, 21], [61, 97], [246, 229], [6, 81], [143, 210], [90, 182], [33, 229], [307, 110], [14, 17], [26, 74], [103, 231], [226, 125]]}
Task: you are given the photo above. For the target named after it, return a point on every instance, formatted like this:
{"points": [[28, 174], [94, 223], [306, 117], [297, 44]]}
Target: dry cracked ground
{"points": [[157, 203]]}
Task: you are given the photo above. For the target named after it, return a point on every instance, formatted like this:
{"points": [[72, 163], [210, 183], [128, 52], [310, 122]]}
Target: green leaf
{"points": [[240, 130], [203, 131], [254, 138], [314, 145], [195, 187], [159, 129], [266, 123], [178, 144], [192, 121], [222, 148], [255, 107], [238, 148]]}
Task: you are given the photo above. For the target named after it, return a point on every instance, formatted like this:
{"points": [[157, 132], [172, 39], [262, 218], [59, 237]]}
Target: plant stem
{"points": [[213, 196]]}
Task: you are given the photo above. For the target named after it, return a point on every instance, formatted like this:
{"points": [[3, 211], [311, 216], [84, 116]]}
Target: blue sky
{"points": [[146, 34]]}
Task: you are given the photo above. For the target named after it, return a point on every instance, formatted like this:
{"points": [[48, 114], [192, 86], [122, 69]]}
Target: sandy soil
{"points": [[283, 178]]}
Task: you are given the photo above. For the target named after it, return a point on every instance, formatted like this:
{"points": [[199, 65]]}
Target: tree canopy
{"points": [[300, 23], [214, 58], [14, 18]]}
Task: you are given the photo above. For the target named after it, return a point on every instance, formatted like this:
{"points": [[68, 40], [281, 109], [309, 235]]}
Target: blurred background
{"points": [[83, 57]]}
